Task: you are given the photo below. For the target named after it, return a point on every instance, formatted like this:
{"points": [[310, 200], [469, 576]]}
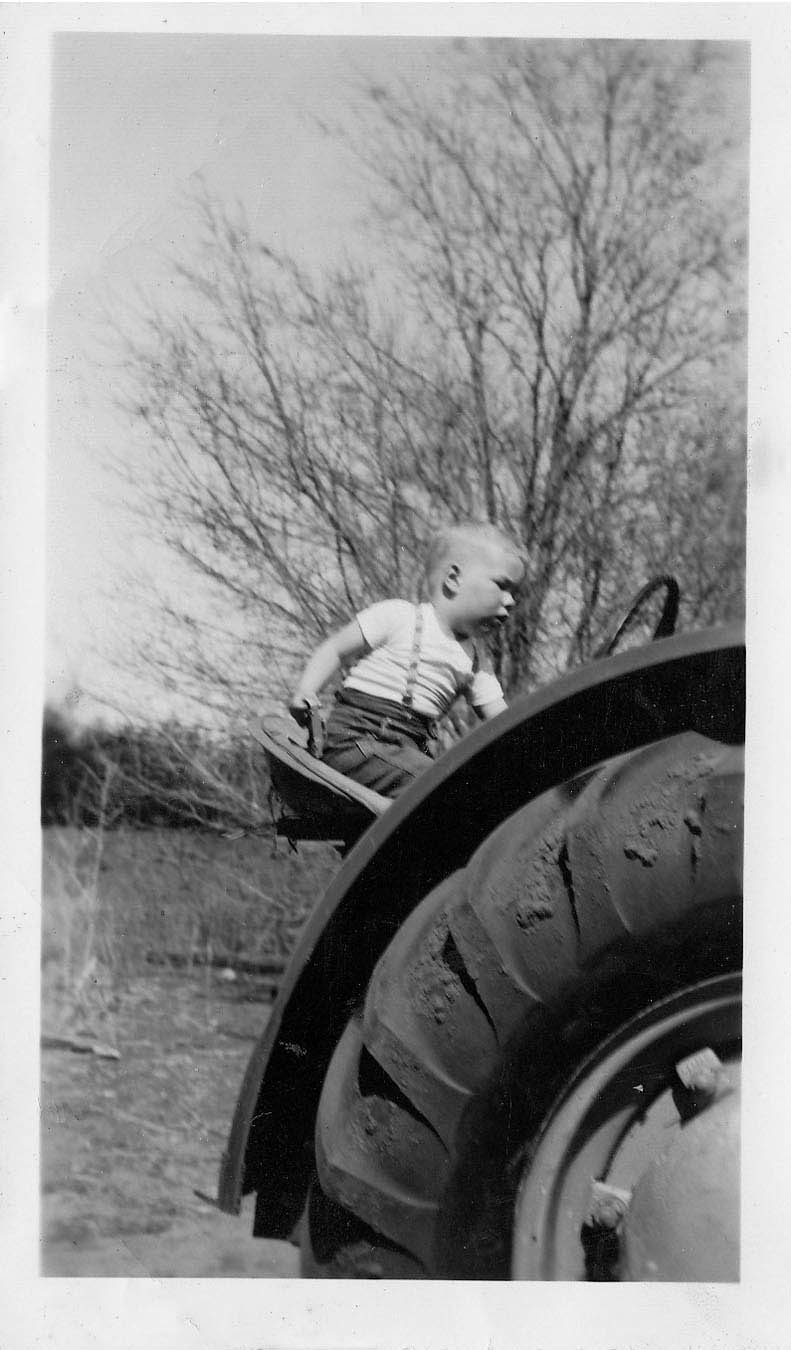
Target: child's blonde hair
{"points": [[455, 541]]}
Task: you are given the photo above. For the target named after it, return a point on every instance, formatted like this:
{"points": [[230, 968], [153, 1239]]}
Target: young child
{"points": [[410, 662]]}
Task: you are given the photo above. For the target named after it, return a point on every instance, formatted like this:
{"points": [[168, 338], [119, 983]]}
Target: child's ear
{"points": [[450, 584]]}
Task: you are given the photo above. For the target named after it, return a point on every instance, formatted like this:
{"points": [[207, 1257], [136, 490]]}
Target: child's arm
{"points": [[491, 710], [335, 651]]}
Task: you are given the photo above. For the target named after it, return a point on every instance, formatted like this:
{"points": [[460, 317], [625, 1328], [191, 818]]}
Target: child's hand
{"points": [[306, 712], [301, 709]]}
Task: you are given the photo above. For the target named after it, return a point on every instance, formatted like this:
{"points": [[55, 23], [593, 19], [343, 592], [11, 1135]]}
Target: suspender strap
{"points": [[415, 661]]}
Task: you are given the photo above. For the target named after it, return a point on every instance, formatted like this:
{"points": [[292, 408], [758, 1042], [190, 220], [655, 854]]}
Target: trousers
{"points": [[380, 744]]}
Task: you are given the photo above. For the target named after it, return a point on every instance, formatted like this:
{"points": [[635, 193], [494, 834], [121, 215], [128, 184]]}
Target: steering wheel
{"points": [[666, 624]]}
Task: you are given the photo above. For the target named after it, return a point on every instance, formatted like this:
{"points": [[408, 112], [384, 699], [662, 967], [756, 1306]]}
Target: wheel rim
{"points": [[616, 1188]]}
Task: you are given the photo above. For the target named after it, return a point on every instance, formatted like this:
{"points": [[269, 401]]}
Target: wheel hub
{"points": [[683, 1219], [636, 1173]]}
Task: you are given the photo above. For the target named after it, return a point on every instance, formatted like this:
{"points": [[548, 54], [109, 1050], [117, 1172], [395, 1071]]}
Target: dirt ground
{"points": [[127, 1142]]}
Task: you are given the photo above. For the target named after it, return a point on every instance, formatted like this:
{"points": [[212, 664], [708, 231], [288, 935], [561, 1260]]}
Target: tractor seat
{"points": [[317, 802]]}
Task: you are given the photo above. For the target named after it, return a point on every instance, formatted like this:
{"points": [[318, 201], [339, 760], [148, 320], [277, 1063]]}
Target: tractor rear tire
{"points": [[584, 908]]}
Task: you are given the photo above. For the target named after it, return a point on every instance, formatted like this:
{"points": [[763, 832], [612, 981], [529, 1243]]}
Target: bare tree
{"points": [[556, 344]]}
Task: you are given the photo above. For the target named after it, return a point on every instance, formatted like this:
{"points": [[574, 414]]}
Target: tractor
{"points": [[508, 1043]]}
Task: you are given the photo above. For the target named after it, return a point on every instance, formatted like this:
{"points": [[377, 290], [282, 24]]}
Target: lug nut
{"points": [[700, 1073], [607, 1205], [700, 1081]]}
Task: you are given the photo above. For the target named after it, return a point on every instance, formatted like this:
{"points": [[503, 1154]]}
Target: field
{"points": [[159, 958]]}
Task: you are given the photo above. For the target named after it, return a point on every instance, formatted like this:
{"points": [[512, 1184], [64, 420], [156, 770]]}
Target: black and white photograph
{"points": [[395, 379]]}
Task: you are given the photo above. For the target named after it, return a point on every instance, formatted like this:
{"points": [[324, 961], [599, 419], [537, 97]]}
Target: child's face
{"points": [[486, 583]]}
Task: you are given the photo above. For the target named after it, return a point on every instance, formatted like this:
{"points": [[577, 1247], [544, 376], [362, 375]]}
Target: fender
{"points": [[610, 707]]}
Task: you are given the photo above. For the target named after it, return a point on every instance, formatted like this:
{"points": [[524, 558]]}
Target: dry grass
{"points": [[114, 901], [128, 1139]]}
